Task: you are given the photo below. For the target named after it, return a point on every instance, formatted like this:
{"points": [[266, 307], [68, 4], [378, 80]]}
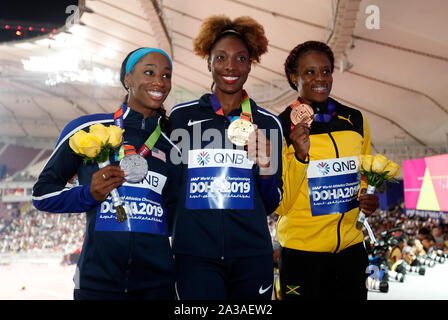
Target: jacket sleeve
{"points": [[271, 192], [271, 188], [366, 147], [294, 172], [171, 192], [50, 193]]}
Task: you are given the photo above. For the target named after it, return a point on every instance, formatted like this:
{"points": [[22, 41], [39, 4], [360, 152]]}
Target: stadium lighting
{"points": [[68, 67], [54, 63]]}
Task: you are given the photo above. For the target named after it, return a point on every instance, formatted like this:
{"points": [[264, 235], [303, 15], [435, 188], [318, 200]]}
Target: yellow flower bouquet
{"points": [[377, 169], [97, 145]]}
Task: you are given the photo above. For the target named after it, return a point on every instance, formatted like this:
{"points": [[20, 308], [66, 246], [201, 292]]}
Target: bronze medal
{"points": [[302, 113], [239, 131]]}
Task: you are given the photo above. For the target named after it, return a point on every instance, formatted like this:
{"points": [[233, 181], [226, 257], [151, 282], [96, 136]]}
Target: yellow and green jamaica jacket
{"points": [[346, 134]]}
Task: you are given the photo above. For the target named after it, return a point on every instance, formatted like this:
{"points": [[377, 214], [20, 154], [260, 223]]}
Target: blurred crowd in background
{"points": [[426, 231], [33, 230]]}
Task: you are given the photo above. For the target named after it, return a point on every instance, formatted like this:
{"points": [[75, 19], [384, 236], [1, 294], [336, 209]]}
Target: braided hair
{"points": [[292, 61], [164, 121]]}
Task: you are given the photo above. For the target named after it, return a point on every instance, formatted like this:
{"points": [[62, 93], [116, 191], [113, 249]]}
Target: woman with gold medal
{"points": [[322, 254], [231, 172]]}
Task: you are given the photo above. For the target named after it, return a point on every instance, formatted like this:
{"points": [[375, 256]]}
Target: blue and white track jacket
{"points": [[113, 261], [222, 233]]}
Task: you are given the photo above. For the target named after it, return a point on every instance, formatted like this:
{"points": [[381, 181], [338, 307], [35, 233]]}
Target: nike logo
{"points": [[346, 119], [192, 123], [262, 291]]}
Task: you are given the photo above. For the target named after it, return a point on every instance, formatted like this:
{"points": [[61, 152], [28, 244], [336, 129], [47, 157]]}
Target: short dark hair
{"points": [[292, 61]]}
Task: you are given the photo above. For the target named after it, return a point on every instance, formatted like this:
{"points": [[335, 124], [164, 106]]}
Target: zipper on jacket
{"points": [[342, 216], [339, 233], [334, 144], [221, 214]]}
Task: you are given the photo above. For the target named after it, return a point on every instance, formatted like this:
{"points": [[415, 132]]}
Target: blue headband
{"points": [[136, 55]]}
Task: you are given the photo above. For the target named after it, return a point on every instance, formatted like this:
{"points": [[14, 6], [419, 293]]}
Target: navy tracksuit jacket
{"points": [[113, 261], [223, 233], [223, 253]]}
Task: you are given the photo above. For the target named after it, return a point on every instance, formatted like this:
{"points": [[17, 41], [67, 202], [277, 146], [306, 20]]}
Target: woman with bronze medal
{"points": [[322, 254], [231, 172], [127, 256]]}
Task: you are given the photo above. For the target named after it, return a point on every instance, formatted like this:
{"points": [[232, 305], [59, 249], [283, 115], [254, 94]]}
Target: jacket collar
{"points": [[204, 102], [135, 120]]}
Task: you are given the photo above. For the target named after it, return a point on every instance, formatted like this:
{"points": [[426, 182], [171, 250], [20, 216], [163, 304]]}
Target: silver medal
{"points": [[135, 167]]}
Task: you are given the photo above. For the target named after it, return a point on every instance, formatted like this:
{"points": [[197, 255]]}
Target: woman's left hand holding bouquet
{"points": [[368, 203], [377, 169], [105, 180]]}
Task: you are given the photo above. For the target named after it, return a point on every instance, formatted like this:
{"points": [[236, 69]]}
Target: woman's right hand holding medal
{"points": [[300, 138], [105, 180], [259, 150], [302, 116]]}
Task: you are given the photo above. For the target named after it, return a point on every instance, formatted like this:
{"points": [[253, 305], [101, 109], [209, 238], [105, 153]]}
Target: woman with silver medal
{"points": [[129, 260]]}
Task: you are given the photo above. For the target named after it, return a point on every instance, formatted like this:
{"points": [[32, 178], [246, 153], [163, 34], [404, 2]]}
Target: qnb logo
{"points": [[203, 158], [229, 158], [323, 168]]}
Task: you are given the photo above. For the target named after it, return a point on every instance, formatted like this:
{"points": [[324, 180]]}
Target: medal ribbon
{"points": [[128, 149], [246, 113], [118, 121], [326, 117], [150, 142]]}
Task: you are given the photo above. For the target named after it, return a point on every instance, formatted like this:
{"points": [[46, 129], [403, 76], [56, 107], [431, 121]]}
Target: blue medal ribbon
{"points": [[326, 117]]}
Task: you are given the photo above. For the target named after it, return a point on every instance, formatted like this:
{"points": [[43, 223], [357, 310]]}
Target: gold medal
{"points": [[302, 113], [239, 131]]}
